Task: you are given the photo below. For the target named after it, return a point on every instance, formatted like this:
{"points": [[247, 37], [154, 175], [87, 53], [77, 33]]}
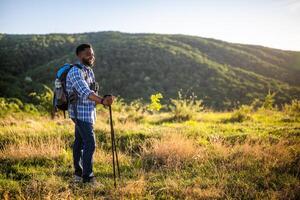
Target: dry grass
{"points": [[101, 156], [268, 155], [203, 193], [34, 127], [218, 149], [240, 154], [36, 148], [133, 189], [50, 188], [172, 151]]}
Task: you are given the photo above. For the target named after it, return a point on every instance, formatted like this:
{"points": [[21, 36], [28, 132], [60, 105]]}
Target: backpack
{"points": [[60, 97]]}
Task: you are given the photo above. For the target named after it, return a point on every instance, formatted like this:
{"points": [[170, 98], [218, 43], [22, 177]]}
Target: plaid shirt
{"points": [[79, 80]]}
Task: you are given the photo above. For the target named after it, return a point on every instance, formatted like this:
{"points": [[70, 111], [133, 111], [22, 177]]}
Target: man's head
{"points": [[85, 54]]}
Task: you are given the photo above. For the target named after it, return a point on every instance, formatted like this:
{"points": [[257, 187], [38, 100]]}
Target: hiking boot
{"points": [[92, 182], [77, 179]]}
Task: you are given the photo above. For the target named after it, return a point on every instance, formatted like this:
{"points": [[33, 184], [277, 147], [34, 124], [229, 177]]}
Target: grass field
{"points": [[211, 156]]}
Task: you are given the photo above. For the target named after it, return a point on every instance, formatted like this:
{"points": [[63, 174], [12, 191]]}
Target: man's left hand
{"points": [[108, 100]]}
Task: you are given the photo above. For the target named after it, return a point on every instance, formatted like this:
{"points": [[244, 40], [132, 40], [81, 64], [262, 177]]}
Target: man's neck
{"points": [[79, 62]]}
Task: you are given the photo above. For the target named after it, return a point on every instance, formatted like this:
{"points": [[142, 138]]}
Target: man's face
{"points": [[87, 57]]}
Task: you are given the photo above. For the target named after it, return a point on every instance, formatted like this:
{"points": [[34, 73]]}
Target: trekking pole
{"points": [[114, 148]]}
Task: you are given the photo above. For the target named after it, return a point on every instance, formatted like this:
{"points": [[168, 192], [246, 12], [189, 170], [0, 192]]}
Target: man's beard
{"points": [[87, 62]]}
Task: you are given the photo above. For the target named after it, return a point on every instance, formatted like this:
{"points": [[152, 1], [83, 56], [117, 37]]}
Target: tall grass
{"points": [[171, 151], [30, 149], [256, 158]]}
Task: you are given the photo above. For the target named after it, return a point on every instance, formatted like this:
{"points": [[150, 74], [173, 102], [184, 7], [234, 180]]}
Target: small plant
{"points": [[292, 110], [268, 103], [185, 108], [135, 110], [155, 102], [118, 106], [256, 104], [241, 114]]}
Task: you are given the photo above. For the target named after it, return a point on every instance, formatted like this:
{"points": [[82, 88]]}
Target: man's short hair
{"points": [[82, 47]]}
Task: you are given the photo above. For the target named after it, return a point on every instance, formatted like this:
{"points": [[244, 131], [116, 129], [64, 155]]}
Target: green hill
{"points": [[136, 65]]}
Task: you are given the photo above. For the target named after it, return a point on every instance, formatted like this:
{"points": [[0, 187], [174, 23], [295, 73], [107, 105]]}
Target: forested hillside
{"points": [[137, 65]]}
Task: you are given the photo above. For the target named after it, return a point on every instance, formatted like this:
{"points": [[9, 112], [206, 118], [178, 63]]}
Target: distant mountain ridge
{"points": [[137, 65]]}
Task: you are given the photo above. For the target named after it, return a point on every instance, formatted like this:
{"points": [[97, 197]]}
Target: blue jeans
{"points": [[83, 149]]}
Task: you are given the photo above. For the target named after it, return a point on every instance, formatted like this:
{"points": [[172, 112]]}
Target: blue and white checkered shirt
{"points": [[79, 80]]}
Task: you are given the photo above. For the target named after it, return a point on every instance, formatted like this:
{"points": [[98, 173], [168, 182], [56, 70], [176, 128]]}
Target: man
{"points": [[79, 82]]}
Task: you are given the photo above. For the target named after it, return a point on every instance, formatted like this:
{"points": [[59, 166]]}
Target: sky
{"points": [[271, 23]]}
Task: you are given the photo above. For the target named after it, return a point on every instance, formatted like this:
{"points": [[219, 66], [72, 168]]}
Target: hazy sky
{"points": [[272, 23]]}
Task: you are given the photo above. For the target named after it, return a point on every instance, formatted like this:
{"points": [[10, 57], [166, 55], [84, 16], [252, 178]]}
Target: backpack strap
{"points": [[77, 65], [80, 67], [85, 77]]}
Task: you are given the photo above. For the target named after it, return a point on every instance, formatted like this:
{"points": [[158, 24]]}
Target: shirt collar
{"points": [[81, 64]]}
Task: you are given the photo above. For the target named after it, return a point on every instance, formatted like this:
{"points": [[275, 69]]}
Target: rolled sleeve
{"points": [[80, 85]]}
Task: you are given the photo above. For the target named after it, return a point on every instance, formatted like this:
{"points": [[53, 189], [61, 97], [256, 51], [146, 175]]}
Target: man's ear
{"points": [[80, 54]]}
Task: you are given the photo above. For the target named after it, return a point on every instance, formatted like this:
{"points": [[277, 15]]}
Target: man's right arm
{"points": [[79, 83]]}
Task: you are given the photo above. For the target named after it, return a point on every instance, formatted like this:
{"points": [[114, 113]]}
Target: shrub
{"points": [[30, 108], [155, 102], [8, 105], [185, 108], [135, 110], [256, 104], [268, 103], [43, 100], [292, 110], [14, 105], [241, 114], [119, 105]]}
